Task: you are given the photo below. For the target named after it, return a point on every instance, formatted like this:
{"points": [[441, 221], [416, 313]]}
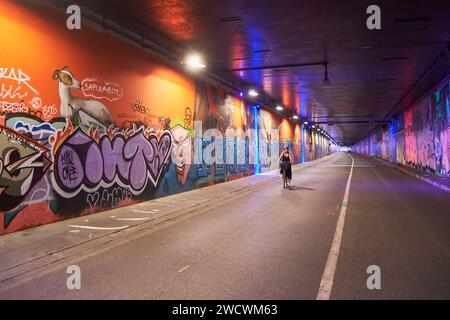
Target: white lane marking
{"points": [[131, 219], [182, 269], [326, 284], [145, 211], [97, 228], [74, 231]]}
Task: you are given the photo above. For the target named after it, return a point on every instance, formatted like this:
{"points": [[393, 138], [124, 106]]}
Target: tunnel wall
{"points": [[419, 137], [89, 122]]}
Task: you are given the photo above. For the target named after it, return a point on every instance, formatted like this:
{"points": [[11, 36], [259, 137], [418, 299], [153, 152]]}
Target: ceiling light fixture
{"points": [[279, 108], [295, 117], [253, 93], [195, 62]]}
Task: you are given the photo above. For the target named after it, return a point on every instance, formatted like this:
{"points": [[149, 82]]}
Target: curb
{"points": [[399, 168]]}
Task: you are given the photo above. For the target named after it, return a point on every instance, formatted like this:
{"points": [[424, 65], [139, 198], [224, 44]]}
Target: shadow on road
{"points": [[294, 187]]}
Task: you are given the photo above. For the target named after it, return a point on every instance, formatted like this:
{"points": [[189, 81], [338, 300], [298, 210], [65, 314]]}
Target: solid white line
{"points": [[97, 228], [326, 284]]}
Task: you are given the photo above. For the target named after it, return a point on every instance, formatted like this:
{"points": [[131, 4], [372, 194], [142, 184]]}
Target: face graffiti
{"points": [[182, 152]]}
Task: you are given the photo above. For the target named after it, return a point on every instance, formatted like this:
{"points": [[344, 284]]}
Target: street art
{"points": [[101, 90], [23, 162], [71, 105], [120, 157], [418, 137], [149, 119], [269, 148], [182, 149], [119, 134], [109, 198], [18, 76]]}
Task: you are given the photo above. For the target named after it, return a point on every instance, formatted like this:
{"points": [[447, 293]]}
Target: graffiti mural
{"points": [[418, 137], [23, 162], [80, 134], [89, 161]]}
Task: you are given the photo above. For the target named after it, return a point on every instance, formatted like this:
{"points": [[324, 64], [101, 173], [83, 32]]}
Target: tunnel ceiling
{"points": [[369, 70]]}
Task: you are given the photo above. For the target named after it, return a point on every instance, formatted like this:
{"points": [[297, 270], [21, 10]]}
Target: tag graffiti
{"points": [[101, 90], [125, 158]]}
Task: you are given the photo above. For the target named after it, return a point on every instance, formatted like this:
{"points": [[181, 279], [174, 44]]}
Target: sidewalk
{"points": [[442, 183], [38, 248]]}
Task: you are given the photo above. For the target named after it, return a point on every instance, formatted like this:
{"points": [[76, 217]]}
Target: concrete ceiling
{"points": [[370, 71]]}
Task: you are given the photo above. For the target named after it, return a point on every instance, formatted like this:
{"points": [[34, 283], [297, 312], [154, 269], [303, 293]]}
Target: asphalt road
{"points": [[274, 244]]}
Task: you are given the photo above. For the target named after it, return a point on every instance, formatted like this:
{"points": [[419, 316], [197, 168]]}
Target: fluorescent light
{"points": [[295, 116], [306, 122], [194, 61], [279, 108], [313, 126], [253, 93]]}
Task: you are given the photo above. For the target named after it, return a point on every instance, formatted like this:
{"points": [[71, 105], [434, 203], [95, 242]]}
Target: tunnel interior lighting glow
{"points": [[253, 93], [306, 122], [241, 94], [279, 108], [295, 116], [313, 126], [195, 62]]}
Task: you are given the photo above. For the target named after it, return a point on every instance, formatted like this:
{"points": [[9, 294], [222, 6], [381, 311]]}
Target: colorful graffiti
{"points": [[418, 137], [128, 159], [23, 162], [115, 133]]}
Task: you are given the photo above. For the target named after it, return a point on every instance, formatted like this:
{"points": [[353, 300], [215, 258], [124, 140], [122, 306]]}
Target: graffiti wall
{"points": [[419, 137], [89, 123]]}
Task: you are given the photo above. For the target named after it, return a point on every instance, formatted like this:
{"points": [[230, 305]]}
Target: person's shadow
{"points": [[294, 188]]}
